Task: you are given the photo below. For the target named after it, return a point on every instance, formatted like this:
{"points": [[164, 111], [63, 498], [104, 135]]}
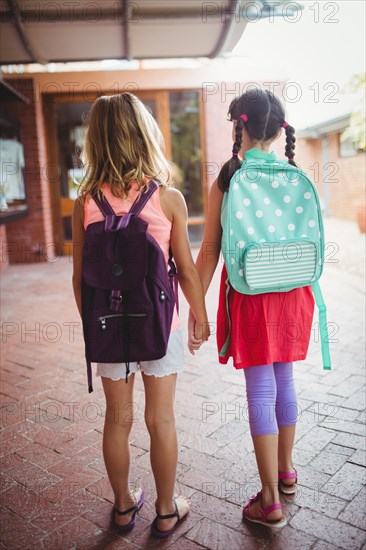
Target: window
{"points": [[187, 155], [346, 147]]}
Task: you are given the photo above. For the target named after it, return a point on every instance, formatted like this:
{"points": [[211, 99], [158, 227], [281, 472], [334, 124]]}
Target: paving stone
{"points": [[12, 377], [244, 472], [35, 478], [55, 514], [309, 477], [215, 536], [42, 456], [201, 444], [11, 413], [347, 482], [291, 538], [343, 413], [332, 531], [204, 482], [202, 461], [304, 428], [200, 427], [16, 532], [324, 397], [72, 447], [70, 474], [185, 544], [49, 438], [230, 432], [314, 499], [23, 502], [301, 457], [218, 510], [11, 461], [358, 457], [331, 459], [12, 430], [316, 439], [348, 387], [5, 483], [350, 440], [355, 512], [77, 533], [101, 489], [13, 444], [321, 545], [349, 427], [356, 401]]}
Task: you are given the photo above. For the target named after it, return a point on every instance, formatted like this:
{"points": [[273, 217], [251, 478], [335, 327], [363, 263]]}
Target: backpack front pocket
{"points": [[103, 319], [280, 265]]}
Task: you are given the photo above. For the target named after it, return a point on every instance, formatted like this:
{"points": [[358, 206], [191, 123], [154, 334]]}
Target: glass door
{"points": [[178, 116]]}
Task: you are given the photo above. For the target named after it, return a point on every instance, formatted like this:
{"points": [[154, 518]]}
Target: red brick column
{"points": [[30, 239], [4, 247]]}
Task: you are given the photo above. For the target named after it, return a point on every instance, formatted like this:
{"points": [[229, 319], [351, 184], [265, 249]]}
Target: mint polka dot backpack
{"points": [[273, 238]]}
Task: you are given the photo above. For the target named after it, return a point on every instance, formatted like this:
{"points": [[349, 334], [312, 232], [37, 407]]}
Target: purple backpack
{"points": [[128, 295]]}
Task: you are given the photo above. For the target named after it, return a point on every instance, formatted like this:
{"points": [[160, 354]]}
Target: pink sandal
{"points": [[264, 513], [283, 487]]}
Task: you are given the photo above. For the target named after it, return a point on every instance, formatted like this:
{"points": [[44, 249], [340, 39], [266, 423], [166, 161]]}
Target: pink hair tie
{"points": [[285, 124], [235, 154], [244, 117]]}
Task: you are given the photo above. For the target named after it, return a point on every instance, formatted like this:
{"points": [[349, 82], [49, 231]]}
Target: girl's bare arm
{"points": [[209, 253], [174, 207]]}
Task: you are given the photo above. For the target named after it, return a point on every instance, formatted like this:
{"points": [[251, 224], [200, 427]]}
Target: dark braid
{"points": [[290, 144], [265, 117], [232, 165]]}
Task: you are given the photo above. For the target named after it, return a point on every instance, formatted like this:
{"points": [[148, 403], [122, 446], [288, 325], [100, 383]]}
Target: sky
{"points": [[319, 53]]}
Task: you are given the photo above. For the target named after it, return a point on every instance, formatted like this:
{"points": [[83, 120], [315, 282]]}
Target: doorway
{"points": [[178, 114]]}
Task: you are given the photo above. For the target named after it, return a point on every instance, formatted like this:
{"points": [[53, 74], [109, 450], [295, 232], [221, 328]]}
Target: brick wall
{"points": [[4, 246], [30, 239], [345, 175]]}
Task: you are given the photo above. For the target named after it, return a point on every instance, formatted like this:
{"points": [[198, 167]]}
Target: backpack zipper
{"points": [[103, 318]]}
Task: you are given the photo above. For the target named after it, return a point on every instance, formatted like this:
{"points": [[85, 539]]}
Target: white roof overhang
{"points": [[49, 32]]}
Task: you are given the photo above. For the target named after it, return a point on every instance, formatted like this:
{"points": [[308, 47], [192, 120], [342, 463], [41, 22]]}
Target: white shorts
{"points": [[171, 363]]}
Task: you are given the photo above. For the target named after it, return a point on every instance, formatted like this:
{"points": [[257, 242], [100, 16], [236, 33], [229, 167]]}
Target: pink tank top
{"points": [[159, 225]]}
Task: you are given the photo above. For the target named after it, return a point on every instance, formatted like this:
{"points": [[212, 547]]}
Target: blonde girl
{"points": [[123, 151]]}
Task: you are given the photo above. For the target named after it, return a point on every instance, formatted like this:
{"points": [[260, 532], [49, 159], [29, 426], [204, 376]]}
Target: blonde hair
{"points": [[123, 143]]}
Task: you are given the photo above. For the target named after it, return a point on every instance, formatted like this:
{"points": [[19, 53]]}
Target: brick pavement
{"points": [[54, 489]]}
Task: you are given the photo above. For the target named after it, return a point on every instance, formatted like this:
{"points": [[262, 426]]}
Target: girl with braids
{"points": [[267, 357]]}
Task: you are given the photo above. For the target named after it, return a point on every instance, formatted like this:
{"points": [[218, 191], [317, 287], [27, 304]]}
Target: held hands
{"points": [[197, 333]]}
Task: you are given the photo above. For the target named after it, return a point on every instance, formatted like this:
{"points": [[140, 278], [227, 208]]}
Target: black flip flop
{"points": [[135, 509], [156, 532]]}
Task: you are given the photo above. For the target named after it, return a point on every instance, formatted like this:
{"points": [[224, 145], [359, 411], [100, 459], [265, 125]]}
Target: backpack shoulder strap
{"points": [[104, 206], [106, 209], [141, 201], [323, 327]]}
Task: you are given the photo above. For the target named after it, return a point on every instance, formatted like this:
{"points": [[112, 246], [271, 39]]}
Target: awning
{"points": [[43, 32]]}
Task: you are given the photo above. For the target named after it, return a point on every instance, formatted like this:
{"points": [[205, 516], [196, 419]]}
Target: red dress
{"points": [[265, 328]]}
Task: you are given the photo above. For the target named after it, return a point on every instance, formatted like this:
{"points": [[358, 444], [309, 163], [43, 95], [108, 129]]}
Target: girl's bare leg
{"points": [[266, 448], [160, 422], [116, 449], [285, 446]]}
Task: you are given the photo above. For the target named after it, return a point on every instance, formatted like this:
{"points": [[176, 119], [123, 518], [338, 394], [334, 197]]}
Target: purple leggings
{"points": [[271, 397]]}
